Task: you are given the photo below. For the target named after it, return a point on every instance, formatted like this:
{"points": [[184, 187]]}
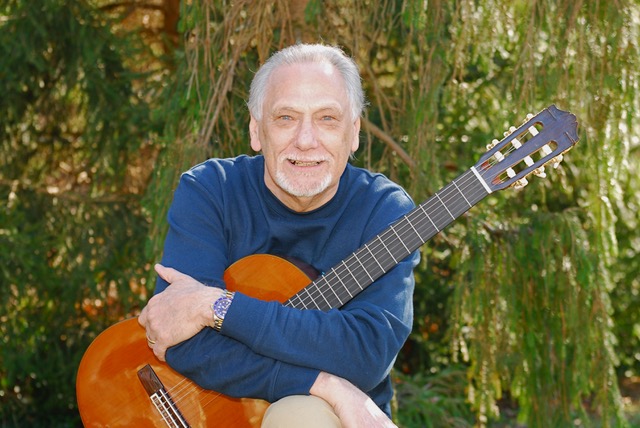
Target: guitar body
{"points": [[108, 389]]}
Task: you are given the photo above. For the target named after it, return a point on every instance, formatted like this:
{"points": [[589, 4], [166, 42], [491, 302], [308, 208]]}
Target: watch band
{"points": [[220, 307]]}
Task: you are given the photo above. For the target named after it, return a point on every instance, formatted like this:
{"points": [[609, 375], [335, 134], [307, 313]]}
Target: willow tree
{"points": [[531, 272], [95, 128]]}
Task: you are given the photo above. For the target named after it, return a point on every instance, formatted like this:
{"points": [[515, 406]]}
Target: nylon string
{"points": [[429, 214]]}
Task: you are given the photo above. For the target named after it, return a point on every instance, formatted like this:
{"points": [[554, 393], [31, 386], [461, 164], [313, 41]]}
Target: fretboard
{"points": [[352, 275]]}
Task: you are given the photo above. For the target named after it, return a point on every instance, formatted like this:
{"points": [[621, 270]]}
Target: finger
{"points": [[150, 342], [169, 274], [142, 318], [159, 352]]}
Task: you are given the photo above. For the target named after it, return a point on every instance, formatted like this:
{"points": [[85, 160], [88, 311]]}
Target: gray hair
{"points": [[308, 53]]}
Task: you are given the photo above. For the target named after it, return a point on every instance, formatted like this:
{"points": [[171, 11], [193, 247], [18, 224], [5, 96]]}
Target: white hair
{"points": [[308, 53]]}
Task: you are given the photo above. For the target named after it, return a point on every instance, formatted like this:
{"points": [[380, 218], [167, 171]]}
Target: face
{"points": [[306, 134]]}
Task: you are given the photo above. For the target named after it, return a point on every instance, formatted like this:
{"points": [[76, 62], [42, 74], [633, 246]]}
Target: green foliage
{"points": [[73, 126], [536, 292], [541, 289], [433, 401]]}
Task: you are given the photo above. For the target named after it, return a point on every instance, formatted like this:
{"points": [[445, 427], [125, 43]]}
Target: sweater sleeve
{"points": [[225, 365]]}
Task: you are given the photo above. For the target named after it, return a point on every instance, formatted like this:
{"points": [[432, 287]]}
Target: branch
{"points": [[370, 127]]}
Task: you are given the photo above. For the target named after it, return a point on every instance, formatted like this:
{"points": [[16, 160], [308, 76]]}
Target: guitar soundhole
{"points": [[161, 398]]}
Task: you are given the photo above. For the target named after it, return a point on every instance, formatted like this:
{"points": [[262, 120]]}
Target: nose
{"points": [[306, 137]]}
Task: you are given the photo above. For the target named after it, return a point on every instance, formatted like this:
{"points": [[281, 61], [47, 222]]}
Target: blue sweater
{"points": [[222, 211]]}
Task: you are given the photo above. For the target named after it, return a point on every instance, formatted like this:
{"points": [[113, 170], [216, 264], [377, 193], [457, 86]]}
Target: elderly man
{"points": [[299, 198]]}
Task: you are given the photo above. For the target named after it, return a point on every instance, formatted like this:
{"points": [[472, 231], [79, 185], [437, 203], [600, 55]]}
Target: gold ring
{"points": [[151, 342]]}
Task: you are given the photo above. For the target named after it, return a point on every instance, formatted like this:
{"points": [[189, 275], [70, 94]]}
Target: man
{"points": [[301, 199]]}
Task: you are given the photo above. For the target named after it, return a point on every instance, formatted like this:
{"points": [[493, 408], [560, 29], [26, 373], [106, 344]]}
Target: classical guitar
{"points": [[120, 383]]}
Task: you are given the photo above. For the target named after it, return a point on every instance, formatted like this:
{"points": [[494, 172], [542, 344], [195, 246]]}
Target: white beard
{"points": [[302, 190]]}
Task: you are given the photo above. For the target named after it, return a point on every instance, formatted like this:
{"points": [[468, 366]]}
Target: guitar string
{"points": [[437, 221], [185, 394], [176, 394], [182, 391], [140, 401], [463, 182], [377, 245]]}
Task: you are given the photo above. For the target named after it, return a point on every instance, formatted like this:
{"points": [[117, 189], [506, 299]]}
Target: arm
{"points": [[353, 407]]}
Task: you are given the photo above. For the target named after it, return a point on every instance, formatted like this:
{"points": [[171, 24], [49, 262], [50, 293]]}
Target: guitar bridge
{"points": [[161, 398]]}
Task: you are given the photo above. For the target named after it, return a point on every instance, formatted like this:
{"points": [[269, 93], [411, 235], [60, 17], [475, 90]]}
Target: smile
{"points": [[304, 163]]}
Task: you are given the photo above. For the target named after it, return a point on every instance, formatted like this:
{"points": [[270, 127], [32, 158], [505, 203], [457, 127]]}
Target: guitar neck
{"points": [[348, 278]]}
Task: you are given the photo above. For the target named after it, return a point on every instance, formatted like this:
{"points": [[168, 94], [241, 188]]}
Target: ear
{"points": [[254, 134], [356, 136]]}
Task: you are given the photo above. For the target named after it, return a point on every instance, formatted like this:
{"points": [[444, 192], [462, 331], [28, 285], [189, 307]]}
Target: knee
{"points": [[300, 410]]}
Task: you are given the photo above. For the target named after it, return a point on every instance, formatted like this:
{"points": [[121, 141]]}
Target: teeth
{"points": [[301, 163]]}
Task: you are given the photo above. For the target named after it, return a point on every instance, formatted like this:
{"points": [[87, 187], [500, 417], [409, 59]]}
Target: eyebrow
{"points": [[334, 108]]}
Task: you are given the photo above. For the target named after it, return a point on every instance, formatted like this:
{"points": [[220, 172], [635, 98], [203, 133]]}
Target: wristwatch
{"points": [[220, 307]]}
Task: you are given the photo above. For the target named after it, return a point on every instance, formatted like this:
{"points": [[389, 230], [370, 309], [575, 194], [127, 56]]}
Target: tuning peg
{"points": [[556, 161], [539, 172], [492, 144], [510, 131], [517, 144], [520, 183]]}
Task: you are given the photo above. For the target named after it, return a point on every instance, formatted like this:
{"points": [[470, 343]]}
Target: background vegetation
{"points": [[527, 309]]}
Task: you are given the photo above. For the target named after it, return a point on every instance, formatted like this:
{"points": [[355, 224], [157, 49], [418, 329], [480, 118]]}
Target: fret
{"points": [[428, 216], [374, 258], [322, 294], [335, 294], [460, 191], [352, 276], [400, 239], [304, 306], [445, 207], [406, 218], [342, 283], [364, 269], [386, 248]]}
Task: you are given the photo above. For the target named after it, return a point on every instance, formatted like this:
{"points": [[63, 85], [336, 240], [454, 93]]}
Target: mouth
{"points": [[304, 163]]}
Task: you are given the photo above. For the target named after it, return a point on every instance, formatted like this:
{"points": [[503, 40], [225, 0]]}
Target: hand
{"points": [[179, 312], [354, 408]]}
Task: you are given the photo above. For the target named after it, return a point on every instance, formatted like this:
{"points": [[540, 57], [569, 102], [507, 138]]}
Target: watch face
{"points": [[220, 306]]}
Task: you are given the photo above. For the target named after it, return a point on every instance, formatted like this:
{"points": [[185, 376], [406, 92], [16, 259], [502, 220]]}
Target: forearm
{"points": [[353, 407], [224, 365]]}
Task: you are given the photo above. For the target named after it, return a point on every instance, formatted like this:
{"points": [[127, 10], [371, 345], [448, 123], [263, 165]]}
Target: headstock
{"points": [[541, 139]]}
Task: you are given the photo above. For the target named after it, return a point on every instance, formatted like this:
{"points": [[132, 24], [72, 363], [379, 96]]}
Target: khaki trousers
{"points": [[298, 411]]}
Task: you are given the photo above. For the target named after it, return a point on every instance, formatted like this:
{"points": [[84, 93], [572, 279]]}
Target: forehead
{"points": [[306, 85]]}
